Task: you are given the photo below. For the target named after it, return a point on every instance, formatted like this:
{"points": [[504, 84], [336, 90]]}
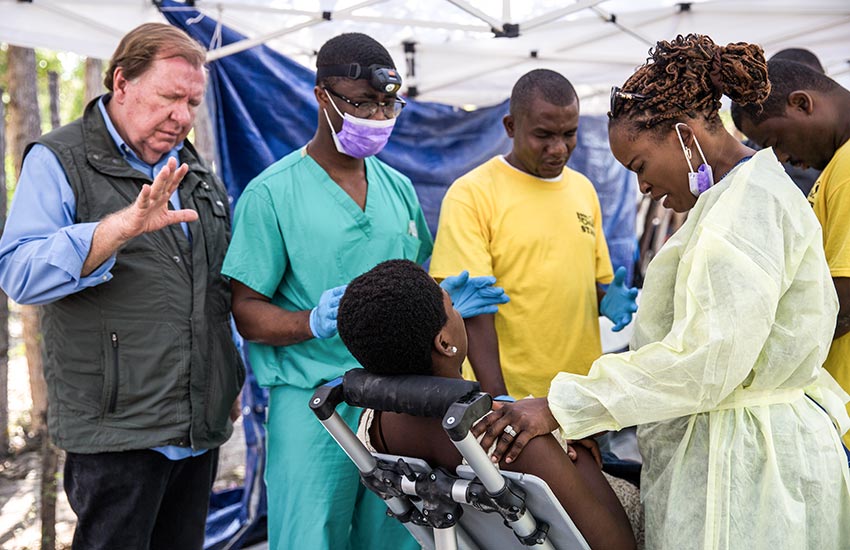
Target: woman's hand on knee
{"points": [[512, 425]]}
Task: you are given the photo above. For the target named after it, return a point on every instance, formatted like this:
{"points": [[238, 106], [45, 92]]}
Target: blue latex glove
{"points": [[323, 316], [619, 304], [474, 296]]}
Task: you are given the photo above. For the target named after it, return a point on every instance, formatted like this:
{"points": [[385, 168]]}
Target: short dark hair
{"points": [[352, 47], [389, 316], [140, 47], [800, 55], [548, 85], [785, 77]]}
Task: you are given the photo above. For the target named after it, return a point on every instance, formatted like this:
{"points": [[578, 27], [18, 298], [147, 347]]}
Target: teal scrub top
{"points": [[296, 233]]}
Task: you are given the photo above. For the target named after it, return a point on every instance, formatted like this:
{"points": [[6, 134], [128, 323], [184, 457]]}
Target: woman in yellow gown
{"points": [[738, 423]]}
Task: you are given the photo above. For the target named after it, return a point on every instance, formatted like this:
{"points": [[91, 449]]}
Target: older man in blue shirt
{"points": [[140, 367]]}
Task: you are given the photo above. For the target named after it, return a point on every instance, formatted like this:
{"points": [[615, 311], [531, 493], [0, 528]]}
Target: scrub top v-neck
{"points": [[297, 233]]}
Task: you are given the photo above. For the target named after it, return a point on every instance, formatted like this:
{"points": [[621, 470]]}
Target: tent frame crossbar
{"points": [[49, 6], [316, 19]]}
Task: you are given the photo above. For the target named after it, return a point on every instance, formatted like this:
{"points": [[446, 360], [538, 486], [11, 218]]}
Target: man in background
{"points": [[806, 119], [536, 226], [803, 177]]}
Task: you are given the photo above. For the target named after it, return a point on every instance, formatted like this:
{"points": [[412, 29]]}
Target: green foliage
{"points": [[71, 71], [4, 73]]}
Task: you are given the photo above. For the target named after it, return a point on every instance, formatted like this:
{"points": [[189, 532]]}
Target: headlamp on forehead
{"points": [[383, 79]]}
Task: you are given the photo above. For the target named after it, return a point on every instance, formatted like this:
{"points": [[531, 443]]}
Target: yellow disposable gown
{"points": [[737, 316]]}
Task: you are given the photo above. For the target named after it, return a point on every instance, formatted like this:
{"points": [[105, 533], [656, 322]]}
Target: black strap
{"points": [[352, 70]]}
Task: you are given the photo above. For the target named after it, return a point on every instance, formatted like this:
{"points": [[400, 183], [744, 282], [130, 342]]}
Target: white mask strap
{"points": [[337, 144], [686, 150], [331, 126], [330, 99]]}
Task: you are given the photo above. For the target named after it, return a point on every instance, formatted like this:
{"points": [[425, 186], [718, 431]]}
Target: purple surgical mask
{"points": [[360, 137], [700, 181]]}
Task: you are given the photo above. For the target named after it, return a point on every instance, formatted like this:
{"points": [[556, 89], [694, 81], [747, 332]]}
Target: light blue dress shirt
{"points": [[42, 250]]}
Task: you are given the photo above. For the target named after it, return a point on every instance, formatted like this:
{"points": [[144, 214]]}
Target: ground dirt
{"points": [[20, 473]]}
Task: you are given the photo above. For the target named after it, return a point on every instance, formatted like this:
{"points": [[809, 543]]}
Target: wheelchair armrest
{"points": [[326, 398]]}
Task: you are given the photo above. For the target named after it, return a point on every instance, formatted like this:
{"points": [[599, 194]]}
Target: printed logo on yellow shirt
{"points": [[586, 223], [814, 193]]}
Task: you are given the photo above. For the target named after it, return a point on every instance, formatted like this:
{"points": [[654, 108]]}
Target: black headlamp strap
{"points": [[352, 70], [383, 79]]}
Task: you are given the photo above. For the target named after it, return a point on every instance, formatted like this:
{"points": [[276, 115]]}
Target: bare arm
{"points": [[484, 353], [148, 213], [842, 287], [258, 320], [579, 485], [581, 489]]}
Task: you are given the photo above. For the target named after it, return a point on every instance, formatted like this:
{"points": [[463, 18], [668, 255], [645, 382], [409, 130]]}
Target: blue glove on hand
{"points": [[474, 296], [323, 316], [618, 304], [504, 399]]}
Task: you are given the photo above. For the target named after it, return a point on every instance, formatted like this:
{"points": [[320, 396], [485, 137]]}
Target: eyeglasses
{"points": [[617, 97], [367, 109]]}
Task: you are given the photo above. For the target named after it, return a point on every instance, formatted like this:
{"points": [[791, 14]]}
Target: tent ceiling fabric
{"points": [[458, 58]]}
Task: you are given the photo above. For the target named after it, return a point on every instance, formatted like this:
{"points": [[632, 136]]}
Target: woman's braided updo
{"points": [[686, 77]]}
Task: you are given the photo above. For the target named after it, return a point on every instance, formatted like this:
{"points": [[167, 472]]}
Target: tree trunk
{"points": [[53, 92], [31, 323], [49, 486], [4, 302], [94, 79], [49, 452], [25, 126]]}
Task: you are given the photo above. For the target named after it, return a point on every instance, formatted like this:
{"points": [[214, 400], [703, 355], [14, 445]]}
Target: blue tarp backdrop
{"points": [[264, 108]]}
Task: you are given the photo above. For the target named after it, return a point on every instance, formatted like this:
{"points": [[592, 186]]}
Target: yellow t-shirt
{"points": [[543, 242], [830, 198]]}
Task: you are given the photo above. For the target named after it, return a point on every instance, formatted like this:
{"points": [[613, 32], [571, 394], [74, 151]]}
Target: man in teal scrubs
{"points": [[303, 229]]}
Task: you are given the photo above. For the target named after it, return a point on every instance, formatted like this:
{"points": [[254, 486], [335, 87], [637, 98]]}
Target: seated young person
{"points": [[396, 320]]}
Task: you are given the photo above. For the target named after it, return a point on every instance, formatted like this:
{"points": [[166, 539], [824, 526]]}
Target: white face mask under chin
{"points": [[700, 181]]}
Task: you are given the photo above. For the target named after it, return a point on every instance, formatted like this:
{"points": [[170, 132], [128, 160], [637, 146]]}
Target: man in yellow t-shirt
{"points": [[806, 120], [537, 227]]}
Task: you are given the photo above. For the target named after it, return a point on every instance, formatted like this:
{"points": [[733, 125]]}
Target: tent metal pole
{"points": [[546, 56], [48, 6], [557, 14], [494, 23], [612, 18], [234, 6], [243, 45], [238, 22], [746, 8], [412, 23], [805, 31], [249, 43], [609, 33], [471, 75]]}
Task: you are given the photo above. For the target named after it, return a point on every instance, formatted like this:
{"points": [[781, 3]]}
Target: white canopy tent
{"points": [[463, 51]]}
